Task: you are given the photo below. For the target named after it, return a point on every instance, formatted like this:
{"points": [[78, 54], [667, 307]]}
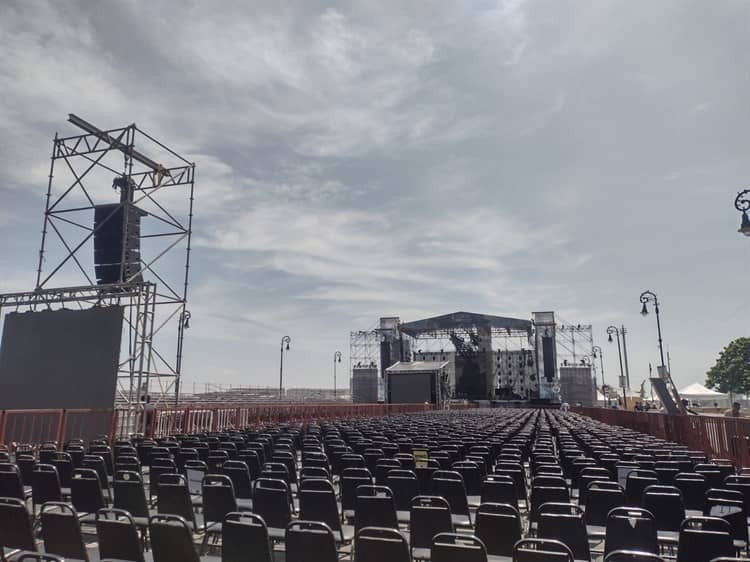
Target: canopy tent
{"points": [[700, 395]]}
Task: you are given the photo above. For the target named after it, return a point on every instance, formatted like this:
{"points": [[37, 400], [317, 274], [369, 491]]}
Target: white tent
{"points": [[700, 395]]}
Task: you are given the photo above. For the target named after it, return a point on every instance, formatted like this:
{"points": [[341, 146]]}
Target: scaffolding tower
{"points": [[152, 277]]}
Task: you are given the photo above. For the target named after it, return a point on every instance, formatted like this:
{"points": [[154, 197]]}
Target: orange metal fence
{"points": [[718, 437], [38, 426]]}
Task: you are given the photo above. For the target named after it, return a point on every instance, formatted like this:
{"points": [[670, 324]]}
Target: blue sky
{"points": [[365, 159]]}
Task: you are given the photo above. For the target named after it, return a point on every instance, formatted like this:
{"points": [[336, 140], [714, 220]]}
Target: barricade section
{"points": [[718, 437]]}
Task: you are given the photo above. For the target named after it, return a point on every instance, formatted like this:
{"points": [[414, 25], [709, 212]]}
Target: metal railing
{"points": [[39, 426], [718, 437]]}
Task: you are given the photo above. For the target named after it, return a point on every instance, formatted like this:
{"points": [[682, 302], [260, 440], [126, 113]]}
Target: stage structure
{"points": [[116, 233], [488, 357]]}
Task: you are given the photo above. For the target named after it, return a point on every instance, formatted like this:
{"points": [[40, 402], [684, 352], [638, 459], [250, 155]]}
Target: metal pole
{"points": [[658, 329], [622, 374], [601, 364], [281, 369], [625, 353], [284, 340]]}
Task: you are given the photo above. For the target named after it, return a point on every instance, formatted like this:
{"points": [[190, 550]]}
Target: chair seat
{"points": [[277, 533], [670, 537], [245, 504], [403, 516], [420, 553], [596, 531], [461, 520], [347, 532], [498, 558]]}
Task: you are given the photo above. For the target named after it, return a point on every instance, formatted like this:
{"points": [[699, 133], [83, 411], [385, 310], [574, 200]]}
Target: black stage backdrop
{"points": [[60, 358]]}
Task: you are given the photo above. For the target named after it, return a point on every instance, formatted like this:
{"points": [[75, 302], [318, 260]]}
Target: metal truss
{"points": [[84, 169], [575, 344], [364, 351]]}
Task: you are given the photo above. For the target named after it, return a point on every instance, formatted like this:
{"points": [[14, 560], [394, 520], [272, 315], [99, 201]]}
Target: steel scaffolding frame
{"points": [[162, 188]]}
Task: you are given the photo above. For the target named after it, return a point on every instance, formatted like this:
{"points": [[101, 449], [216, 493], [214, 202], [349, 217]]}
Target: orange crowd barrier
{"points": [[39, 426], [718, 437]]}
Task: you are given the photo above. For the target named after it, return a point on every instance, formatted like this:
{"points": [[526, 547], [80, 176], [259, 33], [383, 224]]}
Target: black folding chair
{"points": [[377, 544], [244, 536], [309, 541], [172, 539], [118, 536], [61, 531]]}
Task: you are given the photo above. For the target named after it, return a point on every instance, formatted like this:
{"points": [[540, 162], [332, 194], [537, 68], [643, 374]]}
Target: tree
{"points": [[731, 373]]}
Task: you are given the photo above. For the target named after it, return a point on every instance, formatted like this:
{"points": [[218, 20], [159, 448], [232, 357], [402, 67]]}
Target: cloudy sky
{"points": [[364, 159]]}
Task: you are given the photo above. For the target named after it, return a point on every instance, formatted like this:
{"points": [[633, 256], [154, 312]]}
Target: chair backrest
{"points": [[637, 481], [374, 506], [449, 547], [118, 536], [544, 494], [704, 538], [239, 473], [271, 500], [218, 498], [450, 485], [565, 525], [429, 515], [130, 495], [11, 484], [36, 557], [171, 539], [541, 550], [86, 491], [15, 525], [693, 487], [61, 531], [245, 537], [404, 485], [499, 527], [631, 528], [173, 497], [632, 556], [601, 498], [309, 541], [376, 544], [665, 502], [351, 478], [317, 502], [730, 506], [45, 484], [499, 488]]}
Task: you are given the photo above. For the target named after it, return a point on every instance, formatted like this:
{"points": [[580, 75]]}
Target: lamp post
{"points": [[596, 350], [649, 297], [613, 330], [742, 204], [336, 359], [285, 341]]}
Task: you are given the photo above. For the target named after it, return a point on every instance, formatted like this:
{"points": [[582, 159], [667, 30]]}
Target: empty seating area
{"points": [[487, 485]]}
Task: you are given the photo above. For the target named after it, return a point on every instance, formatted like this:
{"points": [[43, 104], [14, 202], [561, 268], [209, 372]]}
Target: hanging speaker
{"points": [[117, 243]]}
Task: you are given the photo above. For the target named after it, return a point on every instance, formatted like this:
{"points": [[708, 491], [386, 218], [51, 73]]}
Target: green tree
{"points": [[731, 373]]}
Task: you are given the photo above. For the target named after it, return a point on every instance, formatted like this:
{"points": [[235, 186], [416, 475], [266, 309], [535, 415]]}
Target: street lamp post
{"points": [[596, 350], [742, 204], [285, 341], [336, 359], [623, 331], [650, 297], [613, 330]]}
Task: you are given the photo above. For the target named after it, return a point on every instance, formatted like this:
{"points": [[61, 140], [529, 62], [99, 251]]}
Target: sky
{"points": [[361, 159]]}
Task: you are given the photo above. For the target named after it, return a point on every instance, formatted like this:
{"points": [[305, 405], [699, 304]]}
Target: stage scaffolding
{"points": [[84, 170]]}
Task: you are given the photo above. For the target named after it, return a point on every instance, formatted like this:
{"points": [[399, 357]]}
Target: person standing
{"points": [[734, 412]]}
